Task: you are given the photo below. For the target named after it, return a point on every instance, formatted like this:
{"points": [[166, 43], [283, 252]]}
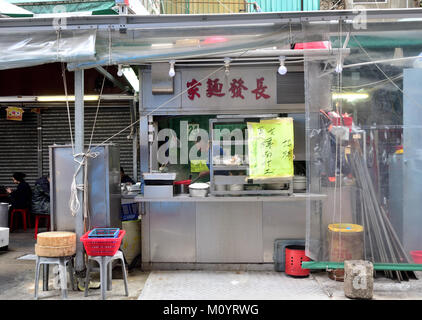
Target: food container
{"points": [[4, 214], [220, 187], [181, 187], [134, 187], [299, 183], [199, 189], [235, 187]]}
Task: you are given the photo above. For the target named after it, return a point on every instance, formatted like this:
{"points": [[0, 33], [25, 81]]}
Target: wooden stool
{"points": [[106, 272]]}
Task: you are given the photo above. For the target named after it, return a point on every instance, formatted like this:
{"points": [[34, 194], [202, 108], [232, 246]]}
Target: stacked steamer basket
{"points": [[56, 244]]}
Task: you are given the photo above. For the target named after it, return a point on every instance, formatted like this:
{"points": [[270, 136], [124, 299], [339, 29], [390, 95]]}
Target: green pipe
{"points": [[377, 266]]}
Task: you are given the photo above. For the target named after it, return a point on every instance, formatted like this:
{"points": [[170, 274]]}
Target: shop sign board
{"points": [[241, 87], [14, 113]]}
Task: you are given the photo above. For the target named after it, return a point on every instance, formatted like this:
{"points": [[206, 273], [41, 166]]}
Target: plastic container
{"points": [[345, 242], [416, 256], [104, 233], [102, 246], [131, 243], [295, 255], [129, 211]]}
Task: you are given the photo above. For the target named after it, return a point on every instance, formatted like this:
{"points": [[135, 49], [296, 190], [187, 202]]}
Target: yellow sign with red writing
{"points": [[14, 113]]}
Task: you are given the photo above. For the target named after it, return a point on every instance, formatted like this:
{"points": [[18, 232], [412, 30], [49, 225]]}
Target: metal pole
{"points": [[134, 144], [79, 148]]}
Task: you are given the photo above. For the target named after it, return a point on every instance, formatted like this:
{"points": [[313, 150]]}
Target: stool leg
{"points": [[88, 270], [24, 219], [70, 267], [124, 277], [63, 278], [28, 215], [37, 275], [37, 219], [103, 277], [46, 270], [110, 274]]}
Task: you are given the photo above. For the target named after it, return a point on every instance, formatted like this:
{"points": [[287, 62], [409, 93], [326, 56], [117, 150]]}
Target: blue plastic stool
{"points": [[106, 272]]}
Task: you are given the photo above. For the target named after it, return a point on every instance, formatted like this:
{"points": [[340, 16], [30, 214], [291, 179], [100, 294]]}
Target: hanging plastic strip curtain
{"points": [[147, 45], [364, 146], [24, 49]]}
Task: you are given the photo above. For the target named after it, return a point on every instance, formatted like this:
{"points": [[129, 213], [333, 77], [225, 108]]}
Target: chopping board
{"points": [[55, 244]]}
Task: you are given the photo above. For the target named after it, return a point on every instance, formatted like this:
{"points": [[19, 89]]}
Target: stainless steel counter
{"points": [[221, 231], [187, 198]]}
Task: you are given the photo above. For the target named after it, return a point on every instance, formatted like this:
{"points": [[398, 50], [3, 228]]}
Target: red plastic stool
{"points": [[25, 214], [37, 219], [294, 257]]}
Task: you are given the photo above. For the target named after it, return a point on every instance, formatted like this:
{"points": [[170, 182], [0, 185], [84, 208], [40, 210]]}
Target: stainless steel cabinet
{"points": [[229, 232], [172, 232], [104, 187]]}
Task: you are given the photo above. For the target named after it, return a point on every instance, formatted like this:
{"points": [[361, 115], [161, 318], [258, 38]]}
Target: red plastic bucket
{"points": [[416, 256], [294, 257]]}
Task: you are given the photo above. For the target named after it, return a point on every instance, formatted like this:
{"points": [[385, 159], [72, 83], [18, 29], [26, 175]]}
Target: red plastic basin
{"points": [[416, 256]]}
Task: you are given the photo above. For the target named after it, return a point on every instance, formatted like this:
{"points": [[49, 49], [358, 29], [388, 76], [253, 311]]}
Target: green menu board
{"points": [[270, 144]]}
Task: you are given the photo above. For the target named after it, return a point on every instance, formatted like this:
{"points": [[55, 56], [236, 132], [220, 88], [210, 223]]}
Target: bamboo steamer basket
{"points": [[345, 242], [55, 244]]}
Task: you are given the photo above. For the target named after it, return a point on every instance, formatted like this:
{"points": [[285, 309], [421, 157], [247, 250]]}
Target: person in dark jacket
{"points": [[124, 178], [21, 197], [41, 196]]}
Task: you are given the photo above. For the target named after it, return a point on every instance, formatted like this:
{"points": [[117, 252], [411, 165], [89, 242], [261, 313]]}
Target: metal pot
{"points": [[181, 187], [4, 214]]}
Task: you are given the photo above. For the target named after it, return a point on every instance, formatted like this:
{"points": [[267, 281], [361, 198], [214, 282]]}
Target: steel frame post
{"points": [[79, 148]]}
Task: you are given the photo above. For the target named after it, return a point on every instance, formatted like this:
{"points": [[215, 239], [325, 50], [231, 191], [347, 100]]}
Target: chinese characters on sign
{"points": [[237, 89], [270, 147], [193, 89]]}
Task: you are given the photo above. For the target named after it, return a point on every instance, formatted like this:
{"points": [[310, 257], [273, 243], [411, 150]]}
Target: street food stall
{"points": [[218, 187], [235, 221]]}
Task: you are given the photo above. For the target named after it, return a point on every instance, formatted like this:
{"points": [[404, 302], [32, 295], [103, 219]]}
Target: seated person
{"points": [[41, 196], [21, 197], [124, 178]]}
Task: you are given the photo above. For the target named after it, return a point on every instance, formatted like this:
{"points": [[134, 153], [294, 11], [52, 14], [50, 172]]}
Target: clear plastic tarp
{"points": [[23, 49], [138, 46], [364, 142]]}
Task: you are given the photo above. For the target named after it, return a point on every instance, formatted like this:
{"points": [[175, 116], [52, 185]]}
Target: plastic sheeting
{"points": [[364, 145], [148, 45], [24, 49], [100, 47]]}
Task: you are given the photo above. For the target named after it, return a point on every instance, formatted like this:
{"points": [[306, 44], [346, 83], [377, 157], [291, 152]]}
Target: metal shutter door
{"points": [[55, 130], [18, 148]]}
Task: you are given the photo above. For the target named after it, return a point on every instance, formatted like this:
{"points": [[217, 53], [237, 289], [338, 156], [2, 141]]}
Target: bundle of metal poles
{"points": [[381, 242]]}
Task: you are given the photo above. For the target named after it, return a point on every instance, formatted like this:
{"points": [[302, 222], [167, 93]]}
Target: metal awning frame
{"points": [[187, 22]]}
